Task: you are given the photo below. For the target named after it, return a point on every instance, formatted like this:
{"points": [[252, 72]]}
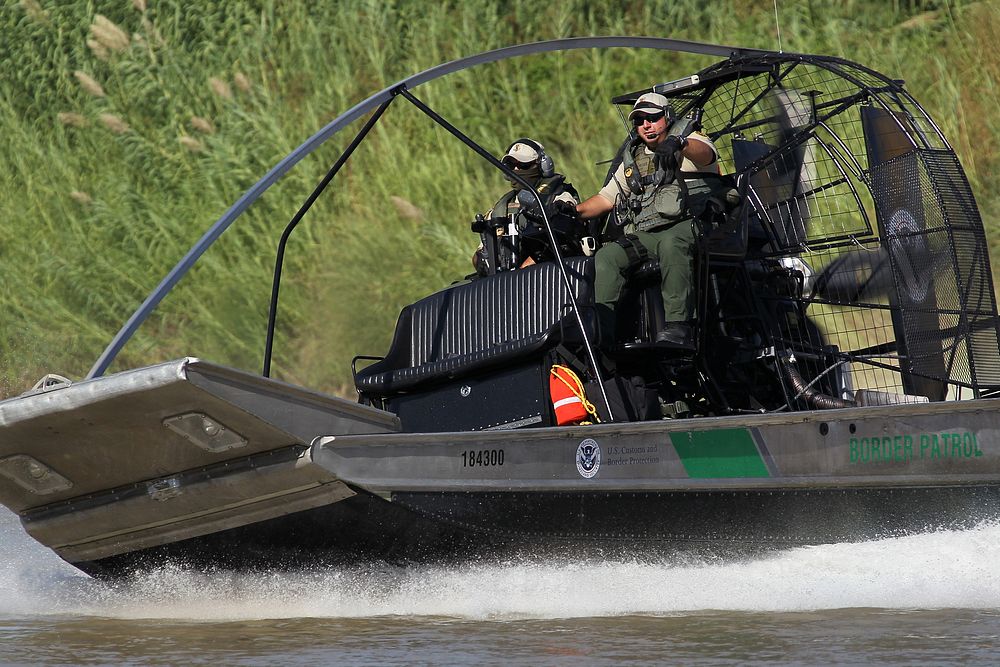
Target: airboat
{"points": [[843, 384]]}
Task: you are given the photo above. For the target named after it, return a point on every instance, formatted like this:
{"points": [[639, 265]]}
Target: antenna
{"points": [[777, 25]]}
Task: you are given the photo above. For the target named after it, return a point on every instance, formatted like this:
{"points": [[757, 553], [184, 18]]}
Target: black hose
{"points": [[814, 398]]}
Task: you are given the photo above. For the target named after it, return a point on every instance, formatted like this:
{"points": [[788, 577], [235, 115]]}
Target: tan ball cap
{"points": [[523, 153], [649, 103]]}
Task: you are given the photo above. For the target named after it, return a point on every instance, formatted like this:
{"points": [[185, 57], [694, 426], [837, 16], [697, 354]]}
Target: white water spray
{"points": [[947, 569]]}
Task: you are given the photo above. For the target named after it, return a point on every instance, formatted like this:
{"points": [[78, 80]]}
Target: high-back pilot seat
{"points": [[473, 356], [721, 247]]}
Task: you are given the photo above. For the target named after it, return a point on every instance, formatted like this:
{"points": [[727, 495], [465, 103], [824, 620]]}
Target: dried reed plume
{"points": [[242, 82], [88, 83], [221, 88], [109, 35], [81, 197], [203, 125], [114, 123], [191, 144], [406, 208], [98, 49], [35, 11], [71, 118]]}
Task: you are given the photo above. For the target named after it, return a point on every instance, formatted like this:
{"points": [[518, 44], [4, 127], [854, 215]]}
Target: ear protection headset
{"points": [[669, 113], [545, 163], [667, 109]]}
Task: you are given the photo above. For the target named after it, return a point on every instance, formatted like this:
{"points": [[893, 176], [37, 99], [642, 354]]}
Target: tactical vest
{"points": [[659, 199], [640, 172], [548, 189]]}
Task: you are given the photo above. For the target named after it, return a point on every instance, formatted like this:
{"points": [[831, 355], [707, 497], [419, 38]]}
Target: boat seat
{"points": [[640, 312], [485, 323]]}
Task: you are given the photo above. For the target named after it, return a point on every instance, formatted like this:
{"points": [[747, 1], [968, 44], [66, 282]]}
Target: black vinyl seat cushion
{"points": [[485, 323]]}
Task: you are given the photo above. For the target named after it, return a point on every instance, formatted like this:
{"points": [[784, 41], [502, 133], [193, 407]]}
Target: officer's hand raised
{"points": [[670, 146]]}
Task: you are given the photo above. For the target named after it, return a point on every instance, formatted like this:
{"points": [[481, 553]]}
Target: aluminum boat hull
{"points": [[315, 479]]}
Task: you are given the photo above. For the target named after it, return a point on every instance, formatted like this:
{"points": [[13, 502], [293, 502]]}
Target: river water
{"points": [[925, 599]]}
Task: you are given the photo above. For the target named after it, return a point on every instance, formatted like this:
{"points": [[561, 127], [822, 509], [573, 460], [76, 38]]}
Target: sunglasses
{"points": [[514, 164], [639, 119]]}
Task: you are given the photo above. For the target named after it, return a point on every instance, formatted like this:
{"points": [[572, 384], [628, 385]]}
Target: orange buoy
{"points": [[566, 392]]}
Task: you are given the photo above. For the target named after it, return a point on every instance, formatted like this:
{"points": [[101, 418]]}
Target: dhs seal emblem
{"points": [[588, 458]]}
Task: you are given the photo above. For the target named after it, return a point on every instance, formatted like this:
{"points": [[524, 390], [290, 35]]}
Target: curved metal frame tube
{"points": [[352, 114], [355, 112]]}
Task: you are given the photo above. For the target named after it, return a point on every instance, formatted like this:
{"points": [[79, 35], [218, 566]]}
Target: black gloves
{"points": [[566, 208], [671, 144], [557, 207], [666, 151]]}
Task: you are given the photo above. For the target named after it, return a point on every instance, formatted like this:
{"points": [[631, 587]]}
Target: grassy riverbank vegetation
{"points": [[128, 127]]}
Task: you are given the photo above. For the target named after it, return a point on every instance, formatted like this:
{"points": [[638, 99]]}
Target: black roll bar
{"points": [[272, 310]]}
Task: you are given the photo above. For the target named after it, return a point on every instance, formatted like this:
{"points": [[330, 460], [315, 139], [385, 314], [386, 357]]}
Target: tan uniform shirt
{"points": [[618, 185]]}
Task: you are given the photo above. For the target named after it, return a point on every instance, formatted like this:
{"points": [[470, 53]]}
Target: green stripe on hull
{"points": [[729, 452]]}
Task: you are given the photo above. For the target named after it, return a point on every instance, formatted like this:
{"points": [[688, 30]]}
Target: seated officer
{"points": [[658, 228], [506, 220]]}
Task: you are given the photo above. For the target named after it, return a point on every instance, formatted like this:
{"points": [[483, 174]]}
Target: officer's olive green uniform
{"points": [[672, 241], [674, 247]]}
